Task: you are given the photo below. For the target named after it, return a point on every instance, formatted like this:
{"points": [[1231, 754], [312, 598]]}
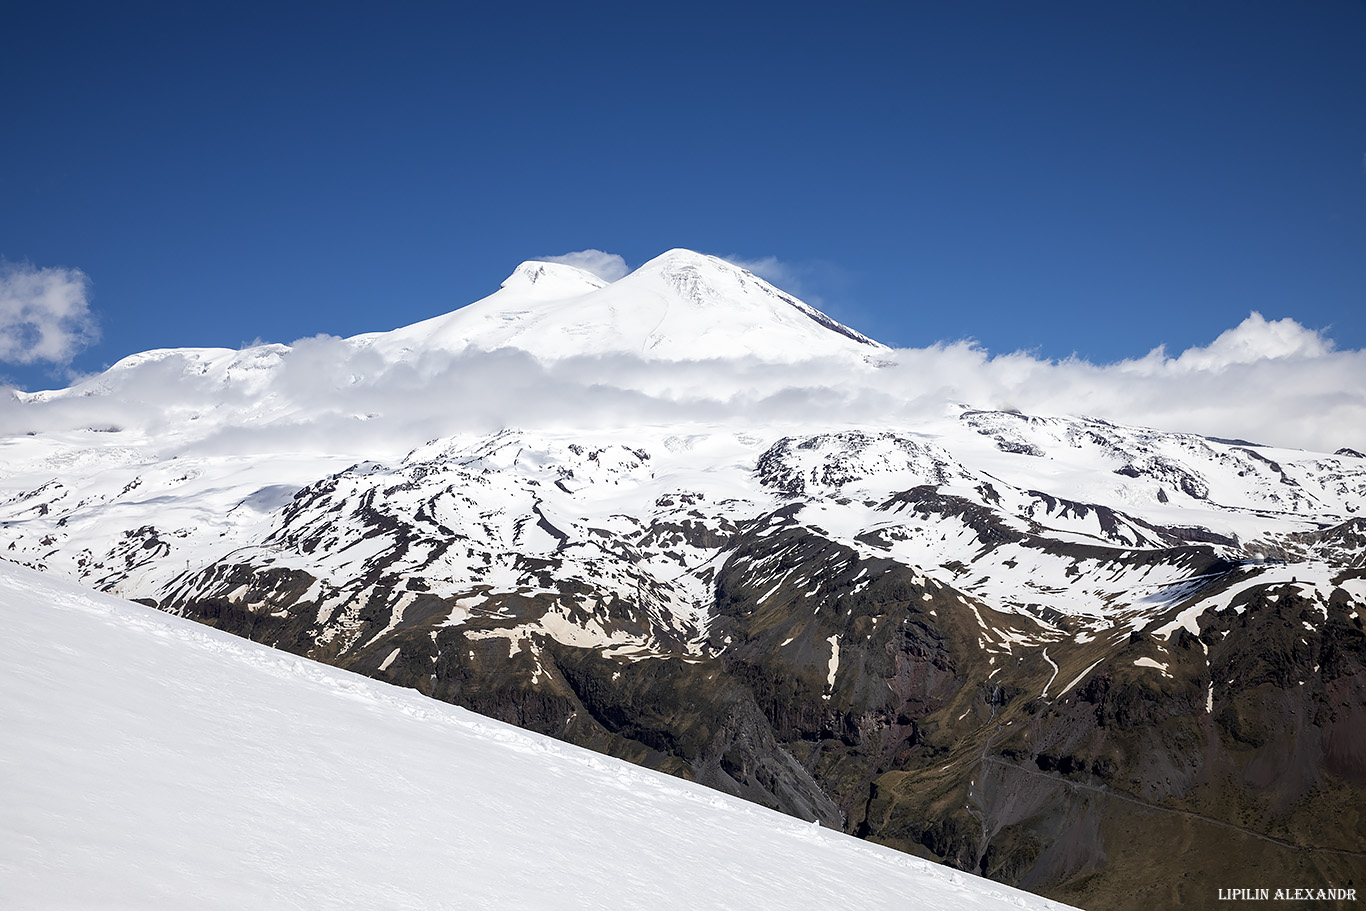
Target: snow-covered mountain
{"points": [[1009, 642], [149, 762], [678, 306]]}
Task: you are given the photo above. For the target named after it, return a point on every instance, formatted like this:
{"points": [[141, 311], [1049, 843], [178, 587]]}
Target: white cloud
{"points": [[1276, 383], [606, 266], [806, 280], [44, 314], [1253, 340], [769, 268], [788, 276], [1299, 397]]}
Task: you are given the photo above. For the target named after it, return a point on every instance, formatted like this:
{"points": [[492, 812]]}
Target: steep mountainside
{"points": [[1047, 649], [147, 759]]}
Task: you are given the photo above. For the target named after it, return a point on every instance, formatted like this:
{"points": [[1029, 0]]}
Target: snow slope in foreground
{"points": [[147, 761]]}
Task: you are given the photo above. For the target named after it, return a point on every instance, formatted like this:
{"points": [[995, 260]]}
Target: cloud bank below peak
{"points": [[1274, 382]]}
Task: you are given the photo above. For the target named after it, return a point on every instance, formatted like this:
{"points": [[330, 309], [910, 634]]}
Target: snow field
{"points": [[149, 762]]}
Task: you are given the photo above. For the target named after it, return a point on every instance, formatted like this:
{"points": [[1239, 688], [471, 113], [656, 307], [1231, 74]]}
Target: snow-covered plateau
{"points": [[686, 520]]}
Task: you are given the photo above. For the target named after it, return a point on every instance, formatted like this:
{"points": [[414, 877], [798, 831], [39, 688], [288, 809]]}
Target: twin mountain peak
{"points": [[680, 305]]}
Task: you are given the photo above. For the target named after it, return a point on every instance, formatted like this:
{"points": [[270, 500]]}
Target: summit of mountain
{"points": [[681, 305]]}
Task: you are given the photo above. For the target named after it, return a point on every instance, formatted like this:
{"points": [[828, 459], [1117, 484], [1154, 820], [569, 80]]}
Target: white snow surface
{"points": [[149, 762], [680, 305]]}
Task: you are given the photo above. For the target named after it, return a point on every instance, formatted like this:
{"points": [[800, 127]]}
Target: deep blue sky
{"points": [[1096, 178]]}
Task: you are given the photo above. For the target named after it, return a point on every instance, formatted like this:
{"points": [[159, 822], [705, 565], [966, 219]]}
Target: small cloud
{"points": [[794, 278], [769, 268], [1257, 339], [606, 266], [44, 314]]}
